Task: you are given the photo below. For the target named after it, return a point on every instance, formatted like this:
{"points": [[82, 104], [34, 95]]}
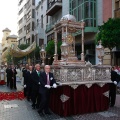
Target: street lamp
{"points": [[43, 55], [100, 52]]}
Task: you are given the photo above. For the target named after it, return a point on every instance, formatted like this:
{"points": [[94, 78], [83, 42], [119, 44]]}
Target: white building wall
{"points": [[23, 36], [113, 8], [21, 26], [100, 12], [65, 7], [41, 10]]}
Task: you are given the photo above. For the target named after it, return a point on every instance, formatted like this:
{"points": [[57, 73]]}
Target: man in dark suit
{"points": [[8, 75], [45, 84], [24, 70], [112, 93], [28, 83], [36, 76], [12, 74]]}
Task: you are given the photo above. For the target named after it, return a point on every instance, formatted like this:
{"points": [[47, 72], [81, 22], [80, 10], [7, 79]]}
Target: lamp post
{"points": [[43, 55], [100, 52]]}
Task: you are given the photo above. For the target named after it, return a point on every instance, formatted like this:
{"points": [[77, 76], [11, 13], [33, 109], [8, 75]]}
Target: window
{"points": [[25, 6], [20, 31], [33, 2], [20, 21], [41, 41], [20, 11], [33, 25], [28, 5], [46, 19], [80, 2], [24, 17], [41, 21], [37, 22], [32, 38], [25, 27], [28, 28], [73, 4], [33, 13], [28, 15], [84, 10]]}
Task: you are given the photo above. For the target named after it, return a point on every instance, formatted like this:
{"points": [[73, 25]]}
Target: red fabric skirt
{"points": [[80, 100]]}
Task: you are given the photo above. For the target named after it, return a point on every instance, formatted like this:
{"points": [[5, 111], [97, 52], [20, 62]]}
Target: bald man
{"points": [[46, 82]]}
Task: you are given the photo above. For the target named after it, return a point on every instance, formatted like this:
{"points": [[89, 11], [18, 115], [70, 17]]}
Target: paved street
{"points": [[21, 110]]}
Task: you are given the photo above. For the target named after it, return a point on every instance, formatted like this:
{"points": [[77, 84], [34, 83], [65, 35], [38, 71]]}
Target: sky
{"points": [[8, 16]]}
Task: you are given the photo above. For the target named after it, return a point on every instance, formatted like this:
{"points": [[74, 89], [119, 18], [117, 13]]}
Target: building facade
{"points": [[93, 12], [26, 21], [7, 40], [116, 50], [116, 4], [40, 22]]}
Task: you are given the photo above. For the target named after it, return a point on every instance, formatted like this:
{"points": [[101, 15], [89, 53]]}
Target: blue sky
{"points": [[8, 16]]}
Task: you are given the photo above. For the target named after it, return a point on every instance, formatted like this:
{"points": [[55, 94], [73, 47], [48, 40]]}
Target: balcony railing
{"points": [[54, 6]]}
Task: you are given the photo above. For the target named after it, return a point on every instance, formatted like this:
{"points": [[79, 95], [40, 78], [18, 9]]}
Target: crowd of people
{"points": [[36, 85]]}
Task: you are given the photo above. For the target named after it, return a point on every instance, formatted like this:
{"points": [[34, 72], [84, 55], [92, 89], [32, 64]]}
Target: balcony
{"points": [[53, 7], [117, 13]]}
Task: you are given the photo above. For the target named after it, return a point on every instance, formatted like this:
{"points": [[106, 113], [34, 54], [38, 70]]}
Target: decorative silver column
{"points": [[55, 41], [82, 54]]}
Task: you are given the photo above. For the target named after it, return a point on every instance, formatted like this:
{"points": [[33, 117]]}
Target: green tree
{"points": [[109, 34], [50, 49], [37, 52], [8, 58]]}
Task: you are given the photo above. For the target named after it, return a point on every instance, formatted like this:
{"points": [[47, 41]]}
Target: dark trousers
{"points": [[44, 104], [8, 81], [112, 94], [35, 98], [29, 92], [25, 92], [13, 83]]}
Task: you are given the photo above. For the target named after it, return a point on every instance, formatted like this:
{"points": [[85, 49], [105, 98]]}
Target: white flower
{"points": [[51, 78]]}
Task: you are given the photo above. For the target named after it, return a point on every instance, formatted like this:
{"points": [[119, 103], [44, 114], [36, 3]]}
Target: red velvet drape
{"points": [[81, 100]]}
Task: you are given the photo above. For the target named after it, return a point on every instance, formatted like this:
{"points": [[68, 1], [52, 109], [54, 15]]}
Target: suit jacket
{"points": [[114, 76], [35, 80], [8, 72], [43, 81], [12, 74], [28, 80]]}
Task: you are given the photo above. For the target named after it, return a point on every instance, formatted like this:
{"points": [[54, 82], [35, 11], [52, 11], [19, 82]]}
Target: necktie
{"points": [[48, 81], [39, 74]]}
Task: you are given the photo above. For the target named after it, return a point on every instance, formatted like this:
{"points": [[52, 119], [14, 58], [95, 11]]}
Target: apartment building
{"points": [[116, 8], [26, 21], [116, 50], [55, 10]]}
